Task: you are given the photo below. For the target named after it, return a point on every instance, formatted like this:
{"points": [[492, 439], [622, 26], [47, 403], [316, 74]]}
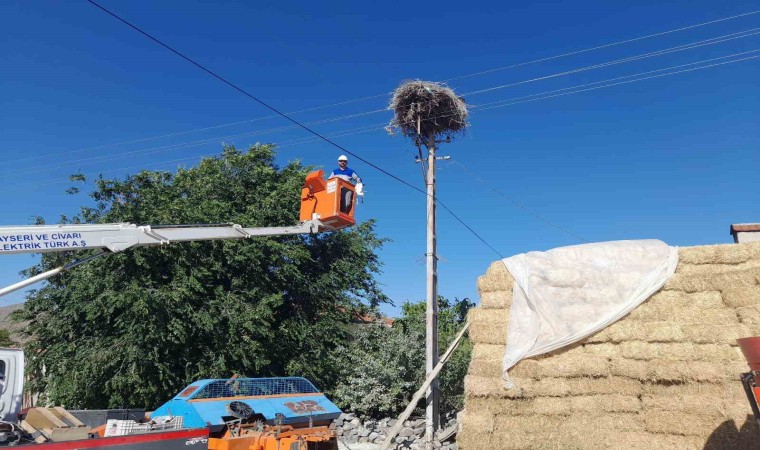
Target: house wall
{"points": [[665, 376]]}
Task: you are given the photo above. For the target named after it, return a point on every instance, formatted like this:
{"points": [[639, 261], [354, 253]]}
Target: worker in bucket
{"points": [[348, 174]]}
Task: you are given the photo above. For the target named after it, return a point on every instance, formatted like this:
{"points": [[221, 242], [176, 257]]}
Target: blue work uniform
{"points": [[346, 174], [347, 199]]}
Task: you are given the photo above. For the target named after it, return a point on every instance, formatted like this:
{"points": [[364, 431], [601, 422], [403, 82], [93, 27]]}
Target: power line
{"points": [[98, 159], [680, 48], [518, 204], [535, 61], [711, 41], [577, 52], [501, 103], [476, 109], [285, 116]]}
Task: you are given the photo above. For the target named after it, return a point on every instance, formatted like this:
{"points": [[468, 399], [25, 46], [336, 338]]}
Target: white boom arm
{"points": [[121, 236]]}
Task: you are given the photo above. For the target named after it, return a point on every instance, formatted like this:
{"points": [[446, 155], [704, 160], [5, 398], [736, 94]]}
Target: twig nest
{"points": [[434, 107]]}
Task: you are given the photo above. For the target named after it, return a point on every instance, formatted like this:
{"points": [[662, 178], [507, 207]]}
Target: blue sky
{"points": [[674, 158]]}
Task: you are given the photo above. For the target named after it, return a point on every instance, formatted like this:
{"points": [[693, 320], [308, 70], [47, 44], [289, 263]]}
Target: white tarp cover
{"points": [[566, 294]]}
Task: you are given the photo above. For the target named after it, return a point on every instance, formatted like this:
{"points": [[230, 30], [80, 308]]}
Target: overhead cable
{"points": [[91, 160], [355, 100], [287, 117], [475, 109]]}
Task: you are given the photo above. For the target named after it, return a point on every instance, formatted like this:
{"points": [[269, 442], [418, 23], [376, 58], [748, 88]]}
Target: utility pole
{"points": [[424, 111], [431, 326]]}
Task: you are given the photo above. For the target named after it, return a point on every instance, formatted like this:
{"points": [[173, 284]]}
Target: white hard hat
{"points": [[342, 158]]}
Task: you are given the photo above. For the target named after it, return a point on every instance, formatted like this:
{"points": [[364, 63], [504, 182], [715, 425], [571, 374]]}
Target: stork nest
{"points": [[434, 107]]}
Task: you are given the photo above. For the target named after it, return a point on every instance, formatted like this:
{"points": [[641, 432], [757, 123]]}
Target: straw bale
{"points": [[488, 351], [557, 406], [648, 441], [717, 282], [662, 304], [601, 423], [627, 330], [488, 326], [712, 269], [749, 315], [687, 315], [496, 278], [485, 368], [580, 438], [495, 299], [715, 254], [727, 389], [608, 350], [478, 386], [704, 405], [746, 296], [659, 370], [581, 365], [715, 334], [481, 421], [682, 351], [681, 423]]}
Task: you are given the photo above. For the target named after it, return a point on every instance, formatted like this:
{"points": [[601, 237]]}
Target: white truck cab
{"points": [[11, 383]]}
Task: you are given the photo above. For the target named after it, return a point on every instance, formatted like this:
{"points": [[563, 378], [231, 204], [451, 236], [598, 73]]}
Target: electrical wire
{"points": [[680, 48], [99, 159], [502, 104], [535, 61], [475, 109], [92, 160], [613, 44], [285, 116], [518, 204]]}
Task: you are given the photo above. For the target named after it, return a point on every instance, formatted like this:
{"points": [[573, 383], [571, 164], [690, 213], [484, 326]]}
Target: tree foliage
{"points": [[6, 340], [382, 367], [134, 327]]}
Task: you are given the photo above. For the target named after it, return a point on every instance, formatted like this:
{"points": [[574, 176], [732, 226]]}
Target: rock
{"points": [[364, 432], [356, 422], [392, 423], [406, 432], [373, 436]]}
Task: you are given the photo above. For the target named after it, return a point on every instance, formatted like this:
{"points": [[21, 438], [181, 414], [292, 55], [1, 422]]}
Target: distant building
{"points": [[745, 232]]}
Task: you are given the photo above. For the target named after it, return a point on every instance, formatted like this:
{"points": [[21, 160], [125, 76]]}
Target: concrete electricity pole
{"points": [[432, 415], [425, 111]]}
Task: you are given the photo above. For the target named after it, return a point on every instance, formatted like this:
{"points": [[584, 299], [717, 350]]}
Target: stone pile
{"points": [[351, 430]]}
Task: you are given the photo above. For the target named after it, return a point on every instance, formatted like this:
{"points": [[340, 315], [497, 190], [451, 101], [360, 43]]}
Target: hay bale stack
{"points": [[664, 377]]}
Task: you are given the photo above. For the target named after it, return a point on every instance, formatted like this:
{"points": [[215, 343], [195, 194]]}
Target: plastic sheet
{"points": [[566, 294]]}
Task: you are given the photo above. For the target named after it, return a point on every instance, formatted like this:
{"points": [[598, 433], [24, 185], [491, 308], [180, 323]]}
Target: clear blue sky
{"points": [[674, 158]]}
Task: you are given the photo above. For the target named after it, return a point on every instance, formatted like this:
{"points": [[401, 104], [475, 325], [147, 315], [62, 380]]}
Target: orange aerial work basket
{"points": [[331, 201]]}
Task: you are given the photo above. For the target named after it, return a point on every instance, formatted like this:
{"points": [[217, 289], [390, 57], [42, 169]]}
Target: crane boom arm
{"points": [[326, 205], [121, 236], [115, 237]]}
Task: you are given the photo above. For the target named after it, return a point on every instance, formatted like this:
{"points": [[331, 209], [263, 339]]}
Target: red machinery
{"points": [[750, 347]]}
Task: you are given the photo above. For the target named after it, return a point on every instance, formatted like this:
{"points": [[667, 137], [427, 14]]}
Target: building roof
{"points": [[741, 227]]}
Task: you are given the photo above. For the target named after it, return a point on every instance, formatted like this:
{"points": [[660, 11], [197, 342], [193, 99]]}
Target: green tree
{"points": [[382, 367], [135, 327], [6, 340]]}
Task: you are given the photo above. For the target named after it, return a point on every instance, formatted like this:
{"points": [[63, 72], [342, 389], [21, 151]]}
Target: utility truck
{"points": [[263, 411]]}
